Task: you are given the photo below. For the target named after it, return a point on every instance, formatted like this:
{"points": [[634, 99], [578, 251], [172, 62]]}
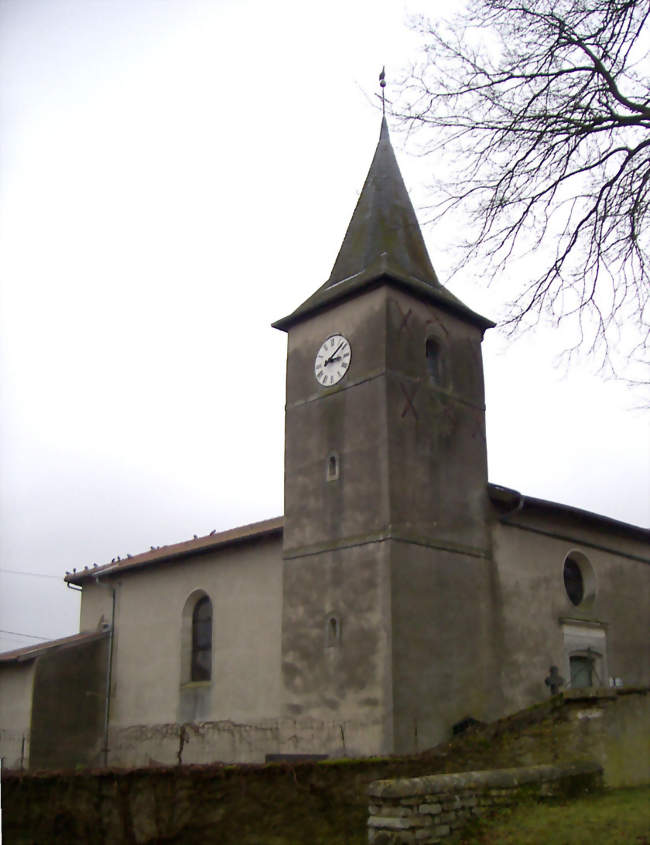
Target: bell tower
{"points": [[385, 539]]}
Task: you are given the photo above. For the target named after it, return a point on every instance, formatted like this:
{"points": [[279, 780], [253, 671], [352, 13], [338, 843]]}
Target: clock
{"points": [[332, 360]]}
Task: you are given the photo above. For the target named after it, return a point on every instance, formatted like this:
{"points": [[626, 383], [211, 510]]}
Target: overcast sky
{"points": [[174, 176]]}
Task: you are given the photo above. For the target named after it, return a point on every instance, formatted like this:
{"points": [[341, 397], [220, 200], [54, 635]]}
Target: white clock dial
{"points": [[332, 360]]}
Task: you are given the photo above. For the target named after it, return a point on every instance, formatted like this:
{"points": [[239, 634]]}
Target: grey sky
{"points": [[173, 177]]}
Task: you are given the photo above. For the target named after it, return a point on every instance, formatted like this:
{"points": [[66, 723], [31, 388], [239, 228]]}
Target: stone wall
{"points": [[430, 809]]}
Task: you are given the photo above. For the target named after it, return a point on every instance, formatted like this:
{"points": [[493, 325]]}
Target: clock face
{"points": [[332, 360]]}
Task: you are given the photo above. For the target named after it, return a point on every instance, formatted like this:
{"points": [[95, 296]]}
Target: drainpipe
{"points": [[108, 677]]}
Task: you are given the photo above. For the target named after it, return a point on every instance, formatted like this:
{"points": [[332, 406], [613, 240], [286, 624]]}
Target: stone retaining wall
{"points": [[430, 809]]}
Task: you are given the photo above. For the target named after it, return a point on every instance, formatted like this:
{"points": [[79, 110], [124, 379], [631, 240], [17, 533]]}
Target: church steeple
{"points": [[383, 243], [384, 225], [385, 485]]}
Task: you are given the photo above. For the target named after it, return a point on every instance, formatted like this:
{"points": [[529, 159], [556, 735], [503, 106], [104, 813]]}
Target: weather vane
{"points": [[382, 83]]}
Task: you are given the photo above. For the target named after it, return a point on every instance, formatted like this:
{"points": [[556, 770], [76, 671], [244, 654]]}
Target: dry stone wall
{"points": [[430, 809]]}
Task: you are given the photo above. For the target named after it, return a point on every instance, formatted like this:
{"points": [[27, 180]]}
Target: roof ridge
{"points": [[196, 545]]}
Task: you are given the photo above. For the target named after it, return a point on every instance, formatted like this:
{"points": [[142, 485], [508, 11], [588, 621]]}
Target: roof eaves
{"points": [[29, 653], [518, 502], [186, 548], [381, 271]]}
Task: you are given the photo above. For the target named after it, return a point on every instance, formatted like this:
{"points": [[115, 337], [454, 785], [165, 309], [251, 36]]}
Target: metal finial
{"points": [[382, 83]]}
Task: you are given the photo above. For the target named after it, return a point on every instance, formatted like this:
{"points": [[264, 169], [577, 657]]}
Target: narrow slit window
{"points": [[332, 469], [433, 360], [332, 631]]}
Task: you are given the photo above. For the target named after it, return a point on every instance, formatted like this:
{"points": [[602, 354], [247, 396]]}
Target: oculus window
{"points": [[573, 583], [579, 579]]}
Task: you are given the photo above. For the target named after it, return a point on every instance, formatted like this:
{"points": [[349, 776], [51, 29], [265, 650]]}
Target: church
{"points": [[399, 597]]}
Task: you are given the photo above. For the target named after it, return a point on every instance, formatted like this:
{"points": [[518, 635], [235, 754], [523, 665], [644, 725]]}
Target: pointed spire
{"points": [[384, 223], [383, 241]]}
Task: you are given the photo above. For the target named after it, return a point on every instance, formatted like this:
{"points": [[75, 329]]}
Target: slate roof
{"points": [[383, 243], [199, 545], [513, 502], [31, 652]]}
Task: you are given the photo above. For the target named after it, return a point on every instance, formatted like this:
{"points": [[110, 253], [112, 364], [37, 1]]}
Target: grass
{"points": [[618, 816]]}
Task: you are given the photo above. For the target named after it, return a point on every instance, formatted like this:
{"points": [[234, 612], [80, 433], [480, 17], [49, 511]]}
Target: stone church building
{"points": [[399, 596]]}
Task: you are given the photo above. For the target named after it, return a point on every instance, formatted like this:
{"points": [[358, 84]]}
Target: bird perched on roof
{"points": [[113, 561], [214, 531], [129, 555], [153, 548], [196, 536]]}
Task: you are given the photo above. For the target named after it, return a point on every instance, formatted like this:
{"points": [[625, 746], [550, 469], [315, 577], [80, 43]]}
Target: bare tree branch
{"points": [[546, 107]]}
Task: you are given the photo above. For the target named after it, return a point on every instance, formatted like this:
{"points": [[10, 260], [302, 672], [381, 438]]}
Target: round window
{"points": [[573, 582], [579, 579]]}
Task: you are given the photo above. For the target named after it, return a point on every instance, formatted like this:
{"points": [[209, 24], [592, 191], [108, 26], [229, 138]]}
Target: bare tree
{"points": [[546, 108]]}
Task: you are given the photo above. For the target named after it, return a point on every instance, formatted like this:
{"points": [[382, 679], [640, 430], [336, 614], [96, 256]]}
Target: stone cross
{"points": [[554, 680]]}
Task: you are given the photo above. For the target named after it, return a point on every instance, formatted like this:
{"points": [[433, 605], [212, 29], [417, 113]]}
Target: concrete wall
{"points": [[346, 678], [68, 705], [348, 418], [16, 681], [244, 583], [534, 618], [336, 559], [443, 644], [611, 728], [443, 649], [227, 741], [382, 543], [435, 427]]}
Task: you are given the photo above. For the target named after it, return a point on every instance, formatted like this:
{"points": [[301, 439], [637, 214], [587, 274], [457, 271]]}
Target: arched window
{"points": [[435, 362], [202, 640]]}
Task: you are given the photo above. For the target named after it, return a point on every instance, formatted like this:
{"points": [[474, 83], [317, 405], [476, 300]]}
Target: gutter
{"points": [[505, 496]]}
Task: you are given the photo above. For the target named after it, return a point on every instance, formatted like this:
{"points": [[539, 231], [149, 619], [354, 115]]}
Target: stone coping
{"points": [[492, 779], [589, 693]]}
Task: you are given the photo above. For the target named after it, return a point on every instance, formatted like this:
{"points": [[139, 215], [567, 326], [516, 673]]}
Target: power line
{"points": [[33, 574], [18, 634]]}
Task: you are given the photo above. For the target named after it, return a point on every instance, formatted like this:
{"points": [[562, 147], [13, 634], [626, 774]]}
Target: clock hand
{"points": [[331, 358]]}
